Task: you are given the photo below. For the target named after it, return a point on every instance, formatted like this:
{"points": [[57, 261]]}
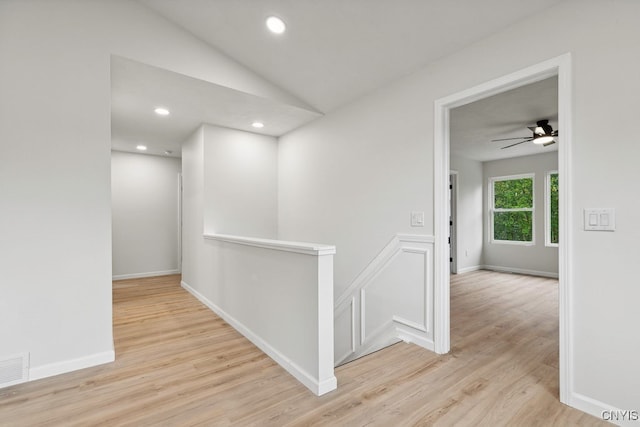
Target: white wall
{"points": [[352, 177], [145, 206], [281, 300], [194, 261], [470, 213], [534, 259], [212, 170], [241, 179], [55, 250]]}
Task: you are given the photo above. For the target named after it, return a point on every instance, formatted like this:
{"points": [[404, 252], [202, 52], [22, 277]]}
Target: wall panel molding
{"points": [[389, 301]]}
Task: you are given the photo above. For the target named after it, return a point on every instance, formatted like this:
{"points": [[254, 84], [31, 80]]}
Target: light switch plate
{"points": [[600, 219], [417, 219]]}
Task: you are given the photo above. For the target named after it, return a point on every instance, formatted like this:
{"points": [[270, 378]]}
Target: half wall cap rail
{"points": [[279, 245]]}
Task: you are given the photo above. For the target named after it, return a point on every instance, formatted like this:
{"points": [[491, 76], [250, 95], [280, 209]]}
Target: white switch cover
{"points": [[417, 219], [601, 219]]}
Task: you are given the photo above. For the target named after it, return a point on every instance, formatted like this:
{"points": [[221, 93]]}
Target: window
{"points": [[551, 214], [511, 208]]}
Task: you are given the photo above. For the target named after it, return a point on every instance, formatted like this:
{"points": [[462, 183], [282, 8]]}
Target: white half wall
{"points": [[533, 259], [278, 294], [470, 213], [145, 206]]}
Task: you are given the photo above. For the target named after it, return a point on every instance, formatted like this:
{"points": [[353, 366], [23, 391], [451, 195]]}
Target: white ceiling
{"points": [[505, 115], [136, 89], [333, 52]]}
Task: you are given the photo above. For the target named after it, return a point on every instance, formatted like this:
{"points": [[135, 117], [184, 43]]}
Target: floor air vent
{"points": [[14, 369]]}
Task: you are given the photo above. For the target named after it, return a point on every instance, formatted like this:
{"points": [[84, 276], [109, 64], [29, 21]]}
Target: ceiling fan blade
{"points": [[511, 139], [513, 145], [554, 133], [531, 128], [548, 143]]}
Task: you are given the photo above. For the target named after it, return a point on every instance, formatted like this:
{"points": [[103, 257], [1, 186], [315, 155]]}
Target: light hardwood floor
{"points": [[178, 364]]}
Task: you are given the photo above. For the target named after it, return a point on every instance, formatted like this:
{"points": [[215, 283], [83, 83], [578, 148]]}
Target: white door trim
{"points": [[453, 214], [560, 66]]}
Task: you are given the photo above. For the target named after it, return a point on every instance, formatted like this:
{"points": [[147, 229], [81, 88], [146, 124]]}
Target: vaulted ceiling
{"points": [[335, 51]]}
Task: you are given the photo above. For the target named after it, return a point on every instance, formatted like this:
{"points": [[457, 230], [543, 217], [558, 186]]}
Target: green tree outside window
{"points": [[512, 210], [553, 208]]}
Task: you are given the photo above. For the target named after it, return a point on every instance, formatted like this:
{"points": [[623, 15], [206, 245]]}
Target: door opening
{"points": [[453, 222], [561, 67]]}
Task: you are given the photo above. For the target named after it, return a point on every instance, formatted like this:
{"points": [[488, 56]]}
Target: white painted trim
{"points": [[380, 261], [417, 238], [339, 311], [363, 320], [591, 406], [356, 297], [565, 206], [279, 245], [560, 66], [319, 387], [441, 270], [51, 369], [410, 324], [470, 269], [142, 275], [407, 335], [503, 269]]}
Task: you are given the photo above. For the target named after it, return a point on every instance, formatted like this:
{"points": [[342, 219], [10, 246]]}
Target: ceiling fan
{"points": [[543, 134]]}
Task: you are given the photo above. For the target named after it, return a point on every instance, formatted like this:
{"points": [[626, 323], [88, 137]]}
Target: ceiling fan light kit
{"points": [[542, 139], [543, 134]]}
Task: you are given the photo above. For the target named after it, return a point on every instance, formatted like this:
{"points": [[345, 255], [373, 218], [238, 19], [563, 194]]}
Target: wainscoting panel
{"points": [[391, 300]]}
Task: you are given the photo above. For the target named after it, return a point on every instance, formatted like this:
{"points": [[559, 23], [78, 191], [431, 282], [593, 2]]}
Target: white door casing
{"points": [[560, 66]]}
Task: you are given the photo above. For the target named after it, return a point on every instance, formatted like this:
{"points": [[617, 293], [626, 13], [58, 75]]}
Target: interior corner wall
{"points": [[55, 221], [145, 204], [194, 263], [351, 177], [537, 258], [469, 213], [240, 183], [229, 181]]}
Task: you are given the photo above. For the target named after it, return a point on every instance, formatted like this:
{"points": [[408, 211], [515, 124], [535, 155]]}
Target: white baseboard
{"points": [[520, 271], [409, 336], [469, 269], [599, 409], [63, 367], [315, 385], [141, 275]]}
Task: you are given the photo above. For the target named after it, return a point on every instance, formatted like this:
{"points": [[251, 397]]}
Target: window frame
{"points": [[547, 209], [493, 209]]}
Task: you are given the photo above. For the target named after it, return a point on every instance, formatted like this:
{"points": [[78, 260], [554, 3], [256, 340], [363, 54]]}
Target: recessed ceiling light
{"points": [[257, 125], [276, 25], [141, 147], [161, 111]]}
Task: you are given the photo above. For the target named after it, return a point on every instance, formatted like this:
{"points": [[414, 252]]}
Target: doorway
{"points": [[453, 222], [561, 67]]}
